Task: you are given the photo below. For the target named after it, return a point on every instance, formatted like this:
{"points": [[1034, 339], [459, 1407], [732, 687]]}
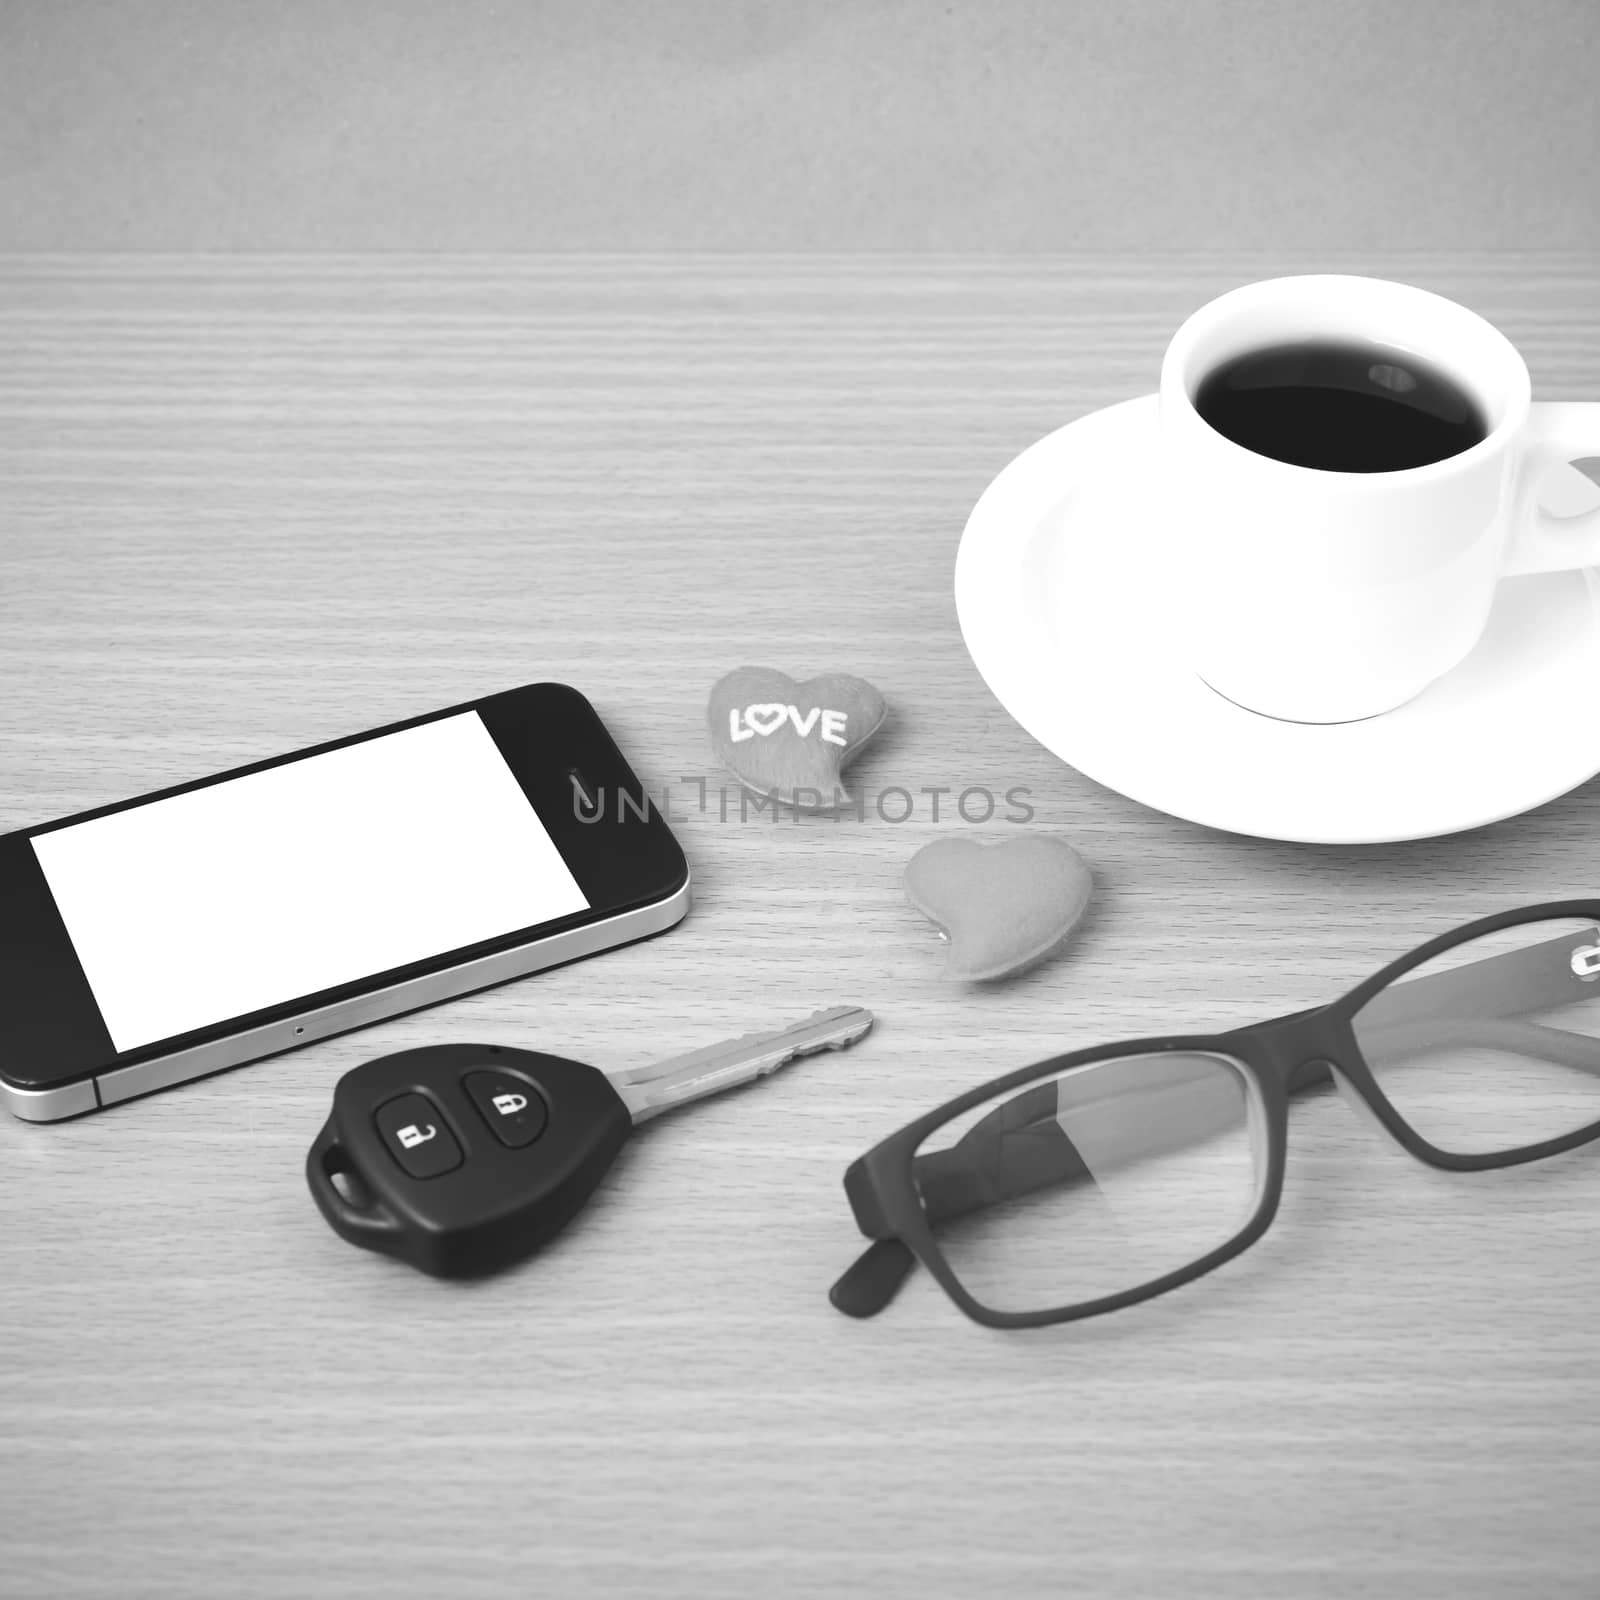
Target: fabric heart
{"points": [[792, 740], [1004, 906]]}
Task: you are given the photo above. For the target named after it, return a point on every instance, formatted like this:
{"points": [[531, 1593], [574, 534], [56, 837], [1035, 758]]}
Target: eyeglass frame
{"points": [[1281, 1057]]}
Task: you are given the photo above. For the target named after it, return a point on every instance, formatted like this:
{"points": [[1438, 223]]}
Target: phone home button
{"points": [[514, 1110], [415, 1134]]}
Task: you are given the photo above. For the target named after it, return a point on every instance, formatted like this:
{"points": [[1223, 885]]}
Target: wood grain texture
{"points": [[249, 504]]}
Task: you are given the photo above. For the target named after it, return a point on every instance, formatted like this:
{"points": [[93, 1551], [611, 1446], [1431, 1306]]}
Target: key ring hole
{"points": [[346, 1182]]}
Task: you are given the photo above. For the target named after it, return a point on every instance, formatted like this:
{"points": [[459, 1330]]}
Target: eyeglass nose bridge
{"points": [[1307, 1050], [1302, 1051]]}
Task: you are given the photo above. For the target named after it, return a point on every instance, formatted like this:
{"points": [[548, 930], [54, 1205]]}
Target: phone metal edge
{"points": [[163, 1072], [49, 1105]]}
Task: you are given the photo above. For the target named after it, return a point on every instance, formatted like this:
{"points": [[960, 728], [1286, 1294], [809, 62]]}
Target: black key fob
{"points": [[463, 1158]]}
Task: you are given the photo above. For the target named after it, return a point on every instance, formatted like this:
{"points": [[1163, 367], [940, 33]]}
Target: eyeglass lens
{"points": [[1493, 1045], [1103, 1179]]}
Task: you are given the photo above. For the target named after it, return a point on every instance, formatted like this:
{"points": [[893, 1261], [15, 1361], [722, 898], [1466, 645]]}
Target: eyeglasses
{"points": [[1093, 1180]]}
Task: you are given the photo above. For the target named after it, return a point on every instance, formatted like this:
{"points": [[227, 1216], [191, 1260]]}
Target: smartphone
{"points": [[209, 925]]}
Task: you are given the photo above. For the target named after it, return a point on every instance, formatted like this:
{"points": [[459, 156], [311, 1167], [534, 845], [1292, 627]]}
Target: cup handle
{"points": [[1559, 432]]}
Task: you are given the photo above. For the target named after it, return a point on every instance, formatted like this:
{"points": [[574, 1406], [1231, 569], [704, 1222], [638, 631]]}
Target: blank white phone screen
{"points": [[247, 894]]}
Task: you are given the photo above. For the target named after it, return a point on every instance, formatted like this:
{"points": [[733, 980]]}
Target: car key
{"points": [[461, 1159]]}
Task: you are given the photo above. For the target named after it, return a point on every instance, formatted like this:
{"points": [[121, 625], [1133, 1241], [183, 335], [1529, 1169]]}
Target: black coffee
{"points": [[1341, 407]]}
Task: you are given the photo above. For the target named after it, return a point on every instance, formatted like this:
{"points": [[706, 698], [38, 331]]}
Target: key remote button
{"points": [[514, 1110], [416, 1136]]}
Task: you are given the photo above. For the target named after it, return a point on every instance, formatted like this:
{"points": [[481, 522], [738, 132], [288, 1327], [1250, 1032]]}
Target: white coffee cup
{"points": [[1320, 596]]}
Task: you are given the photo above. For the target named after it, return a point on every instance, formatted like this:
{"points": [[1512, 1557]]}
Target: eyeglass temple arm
{"points": [[981, 1169], [1552, 973], [971, 1175], [1533, 1039]]}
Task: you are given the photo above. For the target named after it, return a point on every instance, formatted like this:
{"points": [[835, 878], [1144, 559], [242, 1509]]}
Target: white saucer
{"points": [[1062, 609]]}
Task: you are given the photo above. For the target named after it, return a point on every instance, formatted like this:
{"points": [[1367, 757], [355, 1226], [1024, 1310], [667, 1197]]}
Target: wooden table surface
{"points": [[251, 504]]}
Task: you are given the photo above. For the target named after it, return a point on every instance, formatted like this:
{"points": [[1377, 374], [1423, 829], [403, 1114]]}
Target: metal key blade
{"points": [[648, 1091]]}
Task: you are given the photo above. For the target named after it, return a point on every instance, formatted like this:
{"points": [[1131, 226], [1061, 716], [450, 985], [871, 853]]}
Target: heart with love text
{"points": [[791, 741]]}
